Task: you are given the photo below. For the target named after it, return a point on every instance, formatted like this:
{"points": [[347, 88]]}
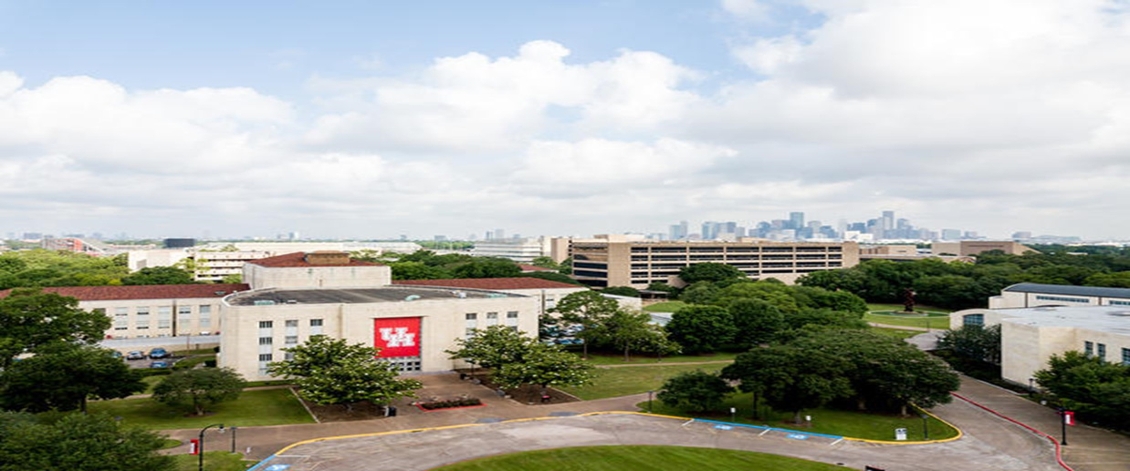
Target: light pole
{"points": [[1063, 426], [925, 427], [649, 393], [1031, 387], [232, 428], [201, 450]]}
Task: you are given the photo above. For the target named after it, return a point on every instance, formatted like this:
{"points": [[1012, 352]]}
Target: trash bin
{"points": [[390, 411]]}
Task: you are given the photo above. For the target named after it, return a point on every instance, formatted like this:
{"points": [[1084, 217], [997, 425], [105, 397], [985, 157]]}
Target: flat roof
{"points": [[1095, 291], [271, 297], [1115, 319], [522, 282], [118, 293]]}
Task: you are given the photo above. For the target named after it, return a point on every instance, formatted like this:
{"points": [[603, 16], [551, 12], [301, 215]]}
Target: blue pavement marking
{"points": [[265, 461], [774, 429], [723, 427], [797, 436]]}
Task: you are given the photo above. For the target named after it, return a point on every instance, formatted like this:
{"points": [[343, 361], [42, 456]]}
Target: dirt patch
{"points": [[531, 394], [363, 410]]}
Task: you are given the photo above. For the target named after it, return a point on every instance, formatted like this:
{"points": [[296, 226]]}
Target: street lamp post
{"points": [[201, 449], [232, 428], [649, 393], [1031, 387], [1063, 425], [925, 427]]}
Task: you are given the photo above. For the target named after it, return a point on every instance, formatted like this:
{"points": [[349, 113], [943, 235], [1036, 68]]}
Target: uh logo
{"points": [[395, 337]]}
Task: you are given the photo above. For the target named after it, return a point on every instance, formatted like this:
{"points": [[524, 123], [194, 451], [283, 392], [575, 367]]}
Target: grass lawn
{"points": [[829, 421], [933, 321], [263, 407], [613, 382], [604, 358], [665, 306], [619, 458], [901, 334], [213, 461]]}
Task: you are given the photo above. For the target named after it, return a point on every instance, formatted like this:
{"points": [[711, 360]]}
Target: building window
{"points": [[512, 318], [264, 361], [315, 327], [266, 324], [184, 320], [469, 332], [205, 316], [292, 323], [121, 318], [142, 322], [164, 317], [1102, 351], [973, 319], [1126, 356], [265, 341], [1064, 299], [1088, 348], [291, 340], [472, 321], [492, 318]]}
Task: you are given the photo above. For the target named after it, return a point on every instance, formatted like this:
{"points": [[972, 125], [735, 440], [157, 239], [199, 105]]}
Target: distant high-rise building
{"points": [[679, 231], [1021, 235], [951, 234], [888, 220], [796, 220]]}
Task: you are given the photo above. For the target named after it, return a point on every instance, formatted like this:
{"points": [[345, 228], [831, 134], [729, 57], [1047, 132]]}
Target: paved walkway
{"points": [[990, 442]]}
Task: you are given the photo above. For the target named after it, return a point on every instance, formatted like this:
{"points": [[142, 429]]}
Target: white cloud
{"points": [[754, 10], [475, 103]]}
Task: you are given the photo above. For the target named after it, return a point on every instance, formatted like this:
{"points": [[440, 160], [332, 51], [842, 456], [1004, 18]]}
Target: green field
{"points": [[666, 306], [621, 458], [259, 407], [923, 317], [614, 382], [618, 359], [213, 460], [829, 421]]}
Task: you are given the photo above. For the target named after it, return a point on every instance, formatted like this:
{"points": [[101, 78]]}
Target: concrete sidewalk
{"points": [[1088, 448]]}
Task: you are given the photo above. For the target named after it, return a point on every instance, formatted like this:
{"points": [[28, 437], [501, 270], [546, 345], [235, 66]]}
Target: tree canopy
{"points": [[30, 319], [332, 371], [712, 272], [1097, 390], [197, 389], [62, 376], [701, 329], [159, 276], [78, 442], [587, 309], [694, 391]]}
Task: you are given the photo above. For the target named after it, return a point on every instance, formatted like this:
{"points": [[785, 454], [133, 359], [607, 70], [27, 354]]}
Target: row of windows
{"points": [[472, 321], [1066, 299], [141, 317]]}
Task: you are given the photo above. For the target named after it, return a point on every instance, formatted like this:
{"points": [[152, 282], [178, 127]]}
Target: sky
{"points": [[375, 119]]}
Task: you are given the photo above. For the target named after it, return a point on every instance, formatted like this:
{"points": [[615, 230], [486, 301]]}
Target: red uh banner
{"points": [[397, 337]]}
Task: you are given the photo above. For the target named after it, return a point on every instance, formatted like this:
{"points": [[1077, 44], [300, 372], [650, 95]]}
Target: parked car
{"points": [[158, 353], [135, 355], [116, 354], [159, 364]]}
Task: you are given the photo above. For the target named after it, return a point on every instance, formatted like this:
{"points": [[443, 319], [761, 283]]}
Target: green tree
{"points": [[622, 291], [30, 319], [198, 389], [544, 365], [974, 342], [77, 442], [782, 296], [1095, 389], [159, 276], [589, 310], [545, 262], [61, 376], [712, 272], [627, 331], [701, 329], [790, 378], [487, 267], [755, 322], [417, 271], [885, 371], [695, 391], [702, 292], [331, 371], [492, 347]]}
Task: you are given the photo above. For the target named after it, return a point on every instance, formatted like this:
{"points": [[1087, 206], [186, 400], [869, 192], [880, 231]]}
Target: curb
{"points": [[1058, 450]]}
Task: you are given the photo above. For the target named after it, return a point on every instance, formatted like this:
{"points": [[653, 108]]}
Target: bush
{"points": [[461, 402]]}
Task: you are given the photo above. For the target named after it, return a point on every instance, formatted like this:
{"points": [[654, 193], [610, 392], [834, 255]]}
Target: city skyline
{"points": [[350, 119]]}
